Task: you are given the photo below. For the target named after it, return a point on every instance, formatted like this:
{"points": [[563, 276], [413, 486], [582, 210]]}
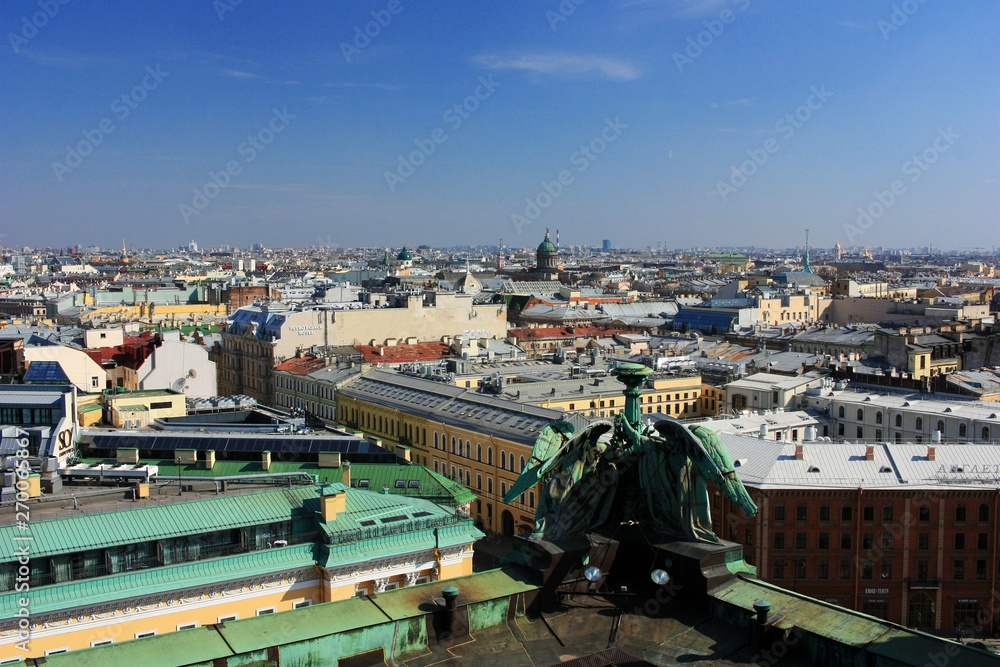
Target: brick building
{"points": [[907, 533]]}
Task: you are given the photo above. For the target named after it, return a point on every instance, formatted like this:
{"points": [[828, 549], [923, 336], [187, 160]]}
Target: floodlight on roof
{"points": [[660, 577], [593, 574]]}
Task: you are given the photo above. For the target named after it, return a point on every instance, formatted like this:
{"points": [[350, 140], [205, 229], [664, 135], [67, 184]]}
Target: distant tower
{"points": [[839, 249], [807, 269], [500, 257], [124, 255], [557, 239], [546, 260]]}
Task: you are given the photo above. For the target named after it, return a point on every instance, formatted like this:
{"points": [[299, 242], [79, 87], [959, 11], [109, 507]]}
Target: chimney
{"points": [[345, 473], [333, 504], [931, 454], [265, 460], [209, 459], [799, 452], [869, 452]]}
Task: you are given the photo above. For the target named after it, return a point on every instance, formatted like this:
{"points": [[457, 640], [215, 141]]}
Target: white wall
{"points": [[174, 361]]}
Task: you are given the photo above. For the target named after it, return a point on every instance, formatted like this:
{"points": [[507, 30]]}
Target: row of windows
{"points": [[919, 424], [868, 512], [886, 541], [780, 568]]}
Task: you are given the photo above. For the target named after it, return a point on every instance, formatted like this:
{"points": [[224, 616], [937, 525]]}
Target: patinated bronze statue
{"points": [[620, 471]]}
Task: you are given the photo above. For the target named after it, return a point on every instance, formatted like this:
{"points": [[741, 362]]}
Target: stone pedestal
{"points": [[699, 566]]}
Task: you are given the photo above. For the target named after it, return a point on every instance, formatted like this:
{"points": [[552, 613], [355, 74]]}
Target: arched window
{"points": [[861, 415], [479, 452], [986, 433], [924, 513], [920, 423], [452, 444], [503, 460], [489, 456], [840, 412], [878, 417], [899, 421], [511, 461], [961, 430], [940, 426], [468, 449], [960, 513], [984, 512], [435, 441], [531, 499], [522, 464], [489, 485]]}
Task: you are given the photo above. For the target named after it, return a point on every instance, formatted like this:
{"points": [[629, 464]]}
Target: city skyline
{"points": [[702, 123]]}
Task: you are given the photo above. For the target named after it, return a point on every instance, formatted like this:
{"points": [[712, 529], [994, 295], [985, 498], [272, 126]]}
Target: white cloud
{"points": [[562, 65]]}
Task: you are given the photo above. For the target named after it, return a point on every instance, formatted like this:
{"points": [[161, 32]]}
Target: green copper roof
{"points": [[404, 255], [432, 486], [158, 580], [96, 531], [546, 245]]}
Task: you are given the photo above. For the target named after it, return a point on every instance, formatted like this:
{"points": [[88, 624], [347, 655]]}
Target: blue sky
{"points": [[690, 122]]}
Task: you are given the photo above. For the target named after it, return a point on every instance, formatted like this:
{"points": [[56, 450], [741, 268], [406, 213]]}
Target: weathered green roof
{"points": [[96, 531], [433, 486], [546, 245], [160, 579]]}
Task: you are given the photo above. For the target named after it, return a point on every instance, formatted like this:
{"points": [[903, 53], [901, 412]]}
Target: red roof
{"points": [[132, 353], [401, 354], [302, 365], [542, 333]]}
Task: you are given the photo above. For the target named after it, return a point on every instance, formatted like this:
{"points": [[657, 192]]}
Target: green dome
{"points": [[404, 255], [546, 245]]}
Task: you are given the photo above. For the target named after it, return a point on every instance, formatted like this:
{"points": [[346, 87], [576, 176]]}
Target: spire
{"points": [[808, 269]]}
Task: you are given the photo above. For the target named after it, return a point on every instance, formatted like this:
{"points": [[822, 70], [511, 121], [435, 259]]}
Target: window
{"points": [[888, 542], [984, 512], [960, 513], [801, 512], [866, 569], [959, 570], [778, 569], [867, 541], [887, 512], [147, 633], [510, 460], [959, 540], [748, 537], [489, 456], [779, 540], [452, 444], [961, 430], [265, 611], [479, 452], [779, 512], [531, 499], [824, 512], [231, 617], [986, 433], [800, 540], [924, 513], [435, 441], [847, 512], [840, 412], [868, 513], [479, 482], [823, 541], [845, 569], [55, 651], [861, 415], [940, 426], [924, 541], [103, 642], [302, 603], [861, 432], [923, 567], [878, 417], [187, 626], [980, 569], [845, 541], [489, 485], [982, 541], [823, 569], [840, 429], [920, 424], [899, 421]]}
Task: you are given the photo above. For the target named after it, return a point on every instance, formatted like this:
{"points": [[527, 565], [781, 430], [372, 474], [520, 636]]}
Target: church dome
{"points": [[404, 255], [546, 245]]}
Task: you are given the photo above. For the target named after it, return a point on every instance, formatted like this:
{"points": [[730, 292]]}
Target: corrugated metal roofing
{"points": [[81, 533]]}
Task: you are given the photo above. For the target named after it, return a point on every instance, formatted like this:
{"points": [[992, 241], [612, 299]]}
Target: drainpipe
{"points": [[857, 551]]}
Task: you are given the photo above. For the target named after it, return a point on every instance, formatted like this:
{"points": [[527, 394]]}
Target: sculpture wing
{"points": [[555, 444], [710, 458], [719, 468]]}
